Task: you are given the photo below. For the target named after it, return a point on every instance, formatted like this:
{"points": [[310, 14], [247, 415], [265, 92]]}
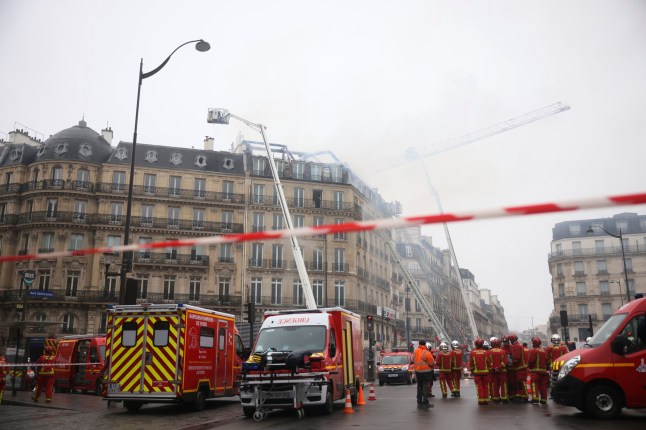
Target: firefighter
{"points": [[480, 364], [554, 351], [538, 365], [4, 371], [519, 368], [45, 375], [445, 363], [423, 364], [457, 354], [498, 372]]}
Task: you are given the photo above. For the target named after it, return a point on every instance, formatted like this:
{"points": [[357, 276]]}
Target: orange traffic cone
{"points": [[361, 400], [372, 396], [348, 404]]}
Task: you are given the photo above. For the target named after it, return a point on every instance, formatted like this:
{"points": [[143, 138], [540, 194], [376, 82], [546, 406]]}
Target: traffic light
{"points": [[250, 310], [369, 323]]}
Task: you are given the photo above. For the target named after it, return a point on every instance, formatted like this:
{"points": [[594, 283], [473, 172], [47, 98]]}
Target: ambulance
{"points": [[171, 353], [609, 372], [303, 359], [80, 360]]}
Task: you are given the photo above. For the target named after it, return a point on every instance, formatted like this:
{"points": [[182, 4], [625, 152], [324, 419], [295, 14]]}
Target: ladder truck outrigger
{"points": [[301, 358]]}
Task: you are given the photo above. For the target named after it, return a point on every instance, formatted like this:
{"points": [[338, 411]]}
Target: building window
{"points": [[256, 290], [198, 219], [72, 283], [82, 179], [317, 259], [68, 323], [258, 196], [48, 242], [200, 188], [602, 269], [276, 256], [169, 287], [583, 311], [299, 197], [606, 309], [258, 221], [147, 215], [318, 221], [225, 253], [150, 182], [315, 172], [276, 291], [297, 295], [173, 217], [298, 170], [604, 288], [629, 265], [599, 246], [339, 235], [224, 286], [277, 221], [174, 185], [144, 253], [227, 190], [226, 218], [258, 166], [299, 221], [110, 287], [194, 285], [44, 279], [339, 259], [143, 287], [580, 289], [197, 253], [561, 290], [52, 208], [256, 254], [575, 229], [80, 211], [418, 325], [76, 242], [317, 289], [339, 293], [171, 253], [576, 248], [578, 268], [338, 200], [116, 213], [118, 181]]}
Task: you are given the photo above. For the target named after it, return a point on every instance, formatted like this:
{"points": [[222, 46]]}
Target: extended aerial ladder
{"points": [[434, 149], [221, 116]]}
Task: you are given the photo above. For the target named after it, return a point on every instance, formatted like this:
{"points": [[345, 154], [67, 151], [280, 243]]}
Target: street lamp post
{"points": [[619, 236], [126, 263]]}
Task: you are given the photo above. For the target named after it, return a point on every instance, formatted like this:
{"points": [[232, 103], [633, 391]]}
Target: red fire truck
{"points": [[80, 360], [609, 372], [171, 353], [303, 358]]}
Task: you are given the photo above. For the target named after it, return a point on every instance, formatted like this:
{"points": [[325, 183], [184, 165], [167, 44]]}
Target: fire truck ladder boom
{"points": [[412, 283]]}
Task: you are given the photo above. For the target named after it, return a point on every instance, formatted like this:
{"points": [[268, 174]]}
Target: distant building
{"points": [[587, 269]]}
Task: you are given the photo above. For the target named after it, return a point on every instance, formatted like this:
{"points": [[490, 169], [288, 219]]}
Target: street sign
{"points": [[41, 293], [28, 277]]}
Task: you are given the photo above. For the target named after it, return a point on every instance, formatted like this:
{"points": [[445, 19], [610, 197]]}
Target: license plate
{"points": [[114, 387], [279, 394], [393, 375]]}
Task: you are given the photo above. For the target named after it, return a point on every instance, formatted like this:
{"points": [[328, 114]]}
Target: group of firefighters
{"points": [[500, 369]]}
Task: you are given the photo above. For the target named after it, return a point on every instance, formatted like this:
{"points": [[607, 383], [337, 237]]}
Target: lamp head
{"points": [[202, 45]]}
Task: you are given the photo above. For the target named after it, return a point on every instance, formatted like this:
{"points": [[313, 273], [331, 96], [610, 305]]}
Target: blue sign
{"points": [[41, 293]]}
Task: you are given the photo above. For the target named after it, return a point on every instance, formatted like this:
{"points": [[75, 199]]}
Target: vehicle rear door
{"points": [[630, 368]]}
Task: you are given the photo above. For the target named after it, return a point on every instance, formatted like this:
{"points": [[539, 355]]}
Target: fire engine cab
{"points": [[303, 358], [80, 360], [171, 353], [609, 372]]}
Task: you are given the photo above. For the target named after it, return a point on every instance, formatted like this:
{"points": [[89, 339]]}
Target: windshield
{"points": [[394, 359], [607, 329], [293, 338]]}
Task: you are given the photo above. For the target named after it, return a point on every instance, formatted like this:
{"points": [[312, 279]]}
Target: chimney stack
{"points": [[107, 134], [208, 143]]}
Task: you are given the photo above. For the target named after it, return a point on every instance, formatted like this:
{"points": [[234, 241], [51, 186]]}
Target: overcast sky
{"points": [[366, 80]]}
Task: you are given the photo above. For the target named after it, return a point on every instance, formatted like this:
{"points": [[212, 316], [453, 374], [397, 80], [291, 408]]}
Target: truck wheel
{"points": [[603, 402], [248, 412], [132, 406], [328, 407], [98, 388], [200, 401]]}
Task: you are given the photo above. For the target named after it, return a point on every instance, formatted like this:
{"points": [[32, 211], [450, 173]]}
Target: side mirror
{"points": [[332, 350], [619, 344]]}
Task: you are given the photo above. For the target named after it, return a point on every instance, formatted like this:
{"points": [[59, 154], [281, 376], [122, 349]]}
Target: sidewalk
{"points": [[73, 401]]}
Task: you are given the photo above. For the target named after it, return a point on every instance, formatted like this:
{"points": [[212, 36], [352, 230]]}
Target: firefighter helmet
{"points": [[455, 344], [505, 339], [495, 342], [486, 345], [479, 343], [49, 349], [512, 337], [555, 339], [536, 341], [444, 347]]}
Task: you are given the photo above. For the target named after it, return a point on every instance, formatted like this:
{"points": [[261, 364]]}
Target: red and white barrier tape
{"points": [[389, 223]]}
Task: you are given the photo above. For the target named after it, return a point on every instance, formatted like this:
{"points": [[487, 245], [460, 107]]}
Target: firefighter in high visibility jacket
{"points": [[519, 369], [555, 350], [538, 364], [480, 365], [423, 362], [498, 372], [45, 375], [444, 361], [458, 355]]}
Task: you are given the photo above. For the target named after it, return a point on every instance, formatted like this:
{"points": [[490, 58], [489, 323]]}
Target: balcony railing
{"points": [[590, 252], [174, 193], [171, 259]]}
